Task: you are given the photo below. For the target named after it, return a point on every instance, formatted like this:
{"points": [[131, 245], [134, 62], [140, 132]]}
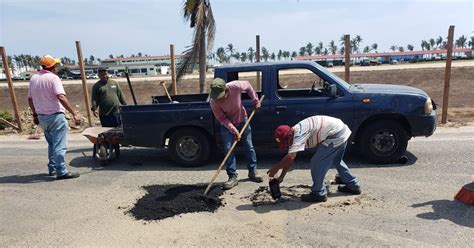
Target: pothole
{"points": [[164, 201]]}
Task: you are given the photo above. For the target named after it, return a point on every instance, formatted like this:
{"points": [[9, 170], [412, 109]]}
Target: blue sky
{"points": [[131, 26]]}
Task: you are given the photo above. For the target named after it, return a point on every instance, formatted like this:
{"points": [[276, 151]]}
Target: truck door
{"points": [[301, 92]]}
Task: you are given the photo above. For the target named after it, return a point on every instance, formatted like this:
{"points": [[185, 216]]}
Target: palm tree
{"points": [[243, 57], [393, 48], [366, 49], [139, 54], [286, 54], [401, 49], [461, 41], [302, 51], [317, 50], [325, 51], [221, 56], [439, 41], [374, 47], [423, 45], [432, 43], [230, 49], [333, 47], [320, 46], [294, 54], [251, 54], [355, 45], [265, 54], [280, 54], [309, 48], [111, 56], [342, 50], [92, 59], [272, 57], [236, 56], [410, 47], [471, 42], [199, 14], [342, 40]]}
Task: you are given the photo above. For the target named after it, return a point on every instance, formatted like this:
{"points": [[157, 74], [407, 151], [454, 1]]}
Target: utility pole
{"points": [[347, 56]]}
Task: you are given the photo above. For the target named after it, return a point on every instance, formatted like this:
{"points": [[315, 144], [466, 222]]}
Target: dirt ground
{"points": [[431, 80]]}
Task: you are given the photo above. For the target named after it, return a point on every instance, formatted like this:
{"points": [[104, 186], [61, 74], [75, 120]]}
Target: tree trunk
{"points": [[202, 63]]}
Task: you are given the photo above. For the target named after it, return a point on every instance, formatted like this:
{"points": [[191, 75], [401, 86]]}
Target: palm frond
{"points": [[211, 28]]}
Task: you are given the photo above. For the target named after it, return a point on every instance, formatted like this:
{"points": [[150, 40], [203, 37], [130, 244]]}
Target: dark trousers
{"points": [[112, 120]]}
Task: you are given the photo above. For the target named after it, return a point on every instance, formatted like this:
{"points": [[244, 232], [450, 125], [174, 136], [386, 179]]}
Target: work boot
{"points": [[68, 175], [232, 182], [254, 177], [338, 179], [311, 197], [345, 189]]}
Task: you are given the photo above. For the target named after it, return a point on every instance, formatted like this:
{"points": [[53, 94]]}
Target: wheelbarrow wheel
{"points": [[103, 154]]}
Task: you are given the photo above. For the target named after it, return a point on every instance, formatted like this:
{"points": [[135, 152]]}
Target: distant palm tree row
{"points": [[25, 62], [230, 54]]}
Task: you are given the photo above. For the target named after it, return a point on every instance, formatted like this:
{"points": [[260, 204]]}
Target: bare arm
{"points": [[32, 107], [284, 164]]}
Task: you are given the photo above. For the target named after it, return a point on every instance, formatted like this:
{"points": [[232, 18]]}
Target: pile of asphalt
{"points": [[163, 201]]}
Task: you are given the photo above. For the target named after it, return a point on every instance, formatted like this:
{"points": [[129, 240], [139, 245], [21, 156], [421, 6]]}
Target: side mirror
{"points": [[332, 90]]}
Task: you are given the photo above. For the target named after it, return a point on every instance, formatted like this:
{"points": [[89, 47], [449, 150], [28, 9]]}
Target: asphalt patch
{"points": [[164, 201]]}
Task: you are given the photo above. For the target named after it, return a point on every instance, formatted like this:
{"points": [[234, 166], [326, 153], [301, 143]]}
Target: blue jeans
{"points": [[324, 158], [228, 139], [55, 131]]}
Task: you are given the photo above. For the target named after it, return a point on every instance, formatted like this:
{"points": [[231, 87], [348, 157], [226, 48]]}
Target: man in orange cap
{"points": [[330, 136], [47, 100]]}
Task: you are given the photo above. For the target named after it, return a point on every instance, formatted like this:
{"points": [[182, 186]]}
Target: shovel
{"points": [[230, 151]]}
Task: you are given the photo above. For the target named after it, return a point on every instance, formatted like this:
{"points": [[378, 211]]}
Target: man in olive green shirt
{"points": [[107, 96]]}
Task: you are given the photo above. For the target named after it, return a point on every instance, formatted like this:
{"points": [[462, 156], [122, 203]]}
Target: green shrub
{"points": [[7, 116]]}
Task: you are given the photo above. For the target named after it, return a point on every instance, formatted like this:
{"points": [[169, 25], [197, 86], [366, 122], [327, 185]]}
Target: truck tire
{"points": [[189, 147], [384, 141]]}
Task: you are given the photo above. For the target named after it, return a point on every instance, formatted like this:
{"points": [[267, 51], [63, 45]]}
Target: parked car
{"points": [[394, 62], [92, 76]]}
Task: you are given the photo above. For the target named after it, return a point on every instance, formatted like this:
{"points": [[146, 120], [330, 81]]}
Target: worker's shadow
{"points": [[454, 211], [35, 178]]}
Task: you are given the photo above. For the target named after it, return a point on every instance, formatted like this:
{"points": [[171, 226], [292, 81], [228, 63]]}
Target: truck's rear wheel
{"points": [[383, 141], [189, 147]]}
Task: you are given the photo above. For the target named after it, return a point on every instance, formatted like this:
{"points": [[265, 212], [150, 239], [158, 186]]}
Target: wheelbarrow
{"points": [[106, 142]]}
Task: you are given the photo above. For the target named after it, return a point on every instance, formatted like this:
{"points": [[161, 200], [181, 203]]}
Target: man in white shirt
{"points": [[330, 136]]}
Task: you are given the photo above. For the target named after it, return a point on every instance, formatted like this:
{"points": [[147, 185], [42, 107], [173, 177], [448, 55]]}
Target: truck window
{"points": [[254, 77], [299, 82]]}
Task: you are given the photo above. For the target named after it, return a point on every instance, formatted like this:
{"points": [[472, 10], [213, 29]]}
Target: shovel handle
{"points": [[166, 90], [230, 151]]}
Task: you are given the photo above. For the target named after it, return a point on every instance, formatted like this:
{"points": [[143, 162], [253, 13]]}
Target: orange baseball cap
{"points": [[49, 61]]}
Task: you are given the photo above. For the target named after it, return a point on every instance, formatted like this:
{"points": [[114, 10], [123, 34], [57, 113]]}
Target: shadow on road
{"points": [[142, 159], [35, 178], [454, 211]]}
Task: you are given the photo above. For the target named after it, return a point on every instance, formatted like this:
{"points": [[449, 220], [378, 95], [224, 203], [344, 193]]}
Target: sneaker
{"points": [[254, 177], [68, 175], [232, 182], [311, 197], [345, 189]]}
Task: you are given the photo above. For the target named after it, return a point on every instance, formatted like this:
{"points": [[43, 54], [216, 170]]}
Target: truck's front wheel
{"points": [[383, 141], [189, 147]]}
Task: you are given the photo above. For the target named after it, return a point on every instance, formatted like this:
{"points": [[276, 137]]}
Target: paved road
{"points": [[401, 205]]}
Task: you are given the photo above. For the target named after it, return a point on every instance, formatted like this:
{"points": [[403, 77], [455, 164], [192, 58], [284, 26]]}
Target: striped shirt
{"points": [[318, 129]]}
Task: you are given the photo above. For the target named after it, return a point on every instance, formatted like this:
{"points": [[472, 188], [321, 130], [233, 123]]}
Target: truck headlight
{"points": [[428, 106]]}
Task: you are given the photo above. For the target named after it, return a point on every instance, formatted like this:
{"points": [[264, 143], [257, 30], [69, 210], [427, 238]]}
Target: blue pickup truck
{"points": [[382, 117]]}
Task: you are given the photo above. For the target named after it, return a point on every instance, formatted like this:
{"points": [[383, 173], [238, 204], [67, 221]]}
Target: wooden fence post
{"points": [[84, 81], [173, 70], [447, 75], [10, 88], [257, 59], [347, 55]]}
